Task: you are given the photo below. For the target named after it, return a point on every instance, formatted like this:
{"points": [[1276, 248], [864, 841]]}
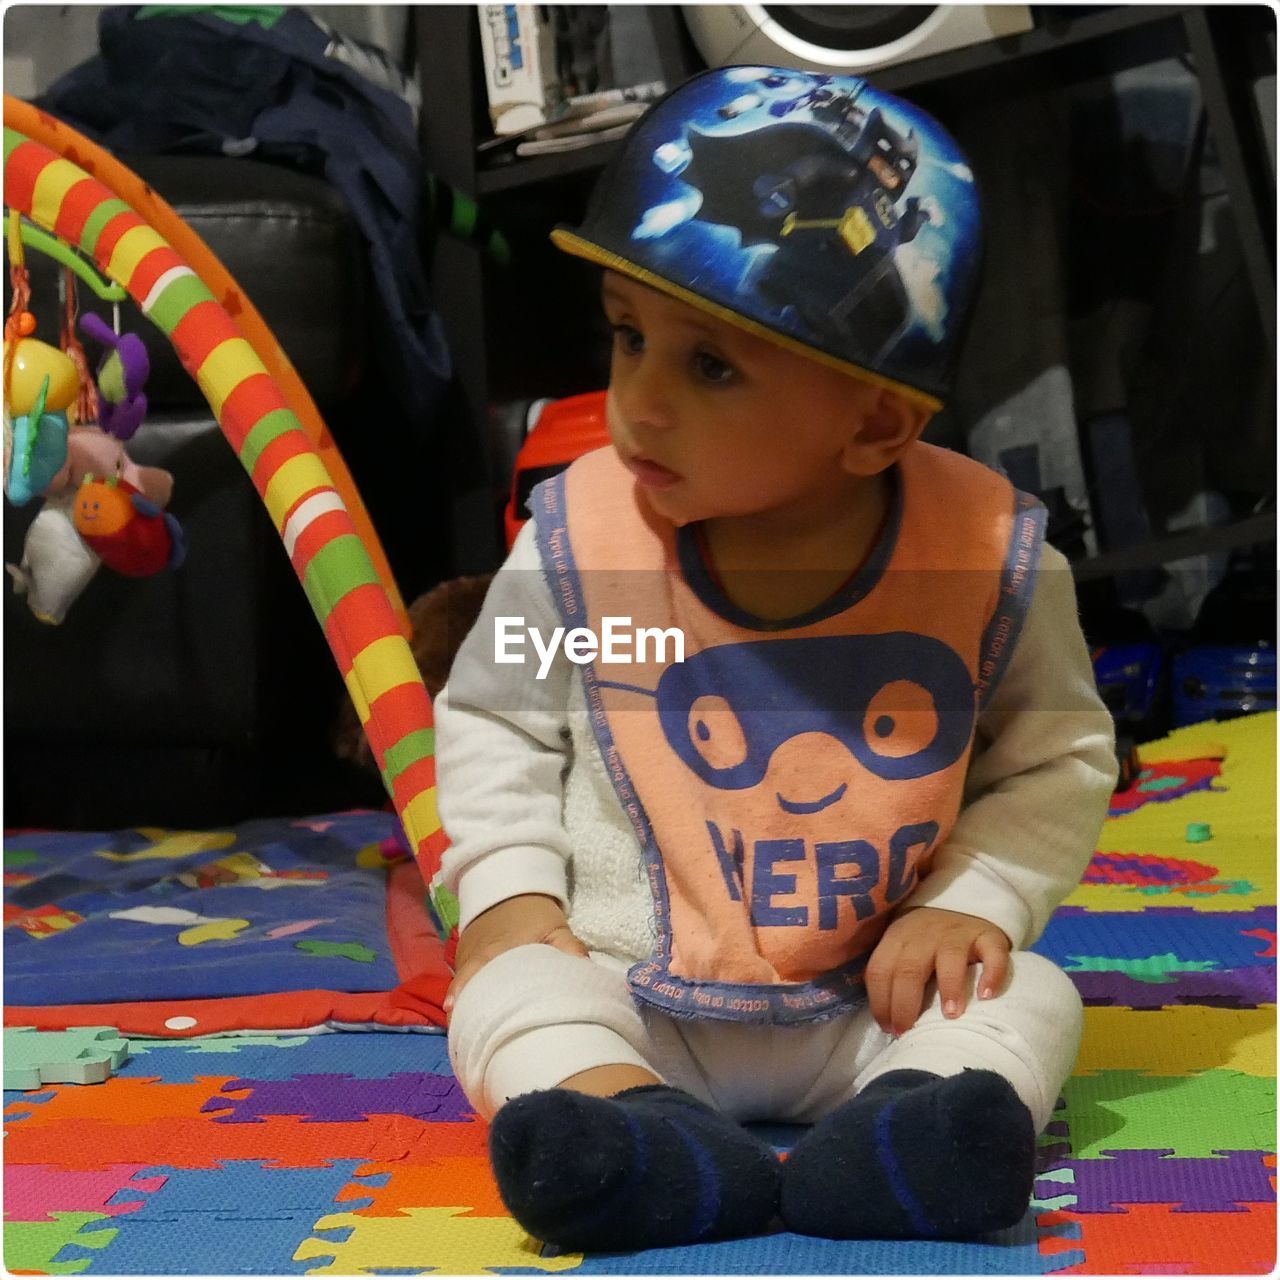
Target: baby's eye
{"points": [[712, 369], [628, 340]]}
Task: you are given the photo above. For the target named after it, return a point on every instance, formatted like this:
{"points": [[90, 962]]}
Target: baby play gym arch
{"points": [[73, 189]]}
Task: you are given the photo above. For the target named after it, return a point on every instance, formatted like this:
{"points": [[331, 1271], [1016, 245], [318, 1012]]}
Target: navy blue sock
{"points": [[650, 1166], [914, 1156]]}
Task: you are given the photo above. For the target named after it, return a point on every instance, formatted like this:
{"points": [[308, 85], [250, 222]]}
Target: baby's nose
{"points": [[644, 400]]}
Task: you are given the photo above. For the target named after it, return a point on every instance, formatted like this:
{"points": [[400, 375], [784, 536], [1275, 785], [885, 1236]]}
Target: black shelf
{"points": [[1069, 44], [1250, 532], [1132, 34], [526, 170], [1154, 31]]}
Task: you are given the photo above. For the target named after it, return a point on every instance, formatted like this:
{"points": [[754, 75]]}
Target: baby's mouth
{"points": [[652, 474]]}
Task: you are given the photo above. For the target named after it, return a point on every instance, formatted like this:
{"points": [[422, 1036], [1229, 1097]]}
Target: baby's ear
{"points": [[889, 423]]}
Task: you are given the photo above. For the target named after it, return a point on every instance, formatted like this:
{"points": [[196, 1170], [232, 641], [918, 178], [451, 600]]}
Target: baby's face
{"points": [[714, 421]]}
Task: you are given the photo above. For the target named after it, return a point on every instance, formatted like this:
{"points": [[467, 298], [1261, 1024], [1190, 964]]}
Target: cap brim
{"points": [[569, 241]]}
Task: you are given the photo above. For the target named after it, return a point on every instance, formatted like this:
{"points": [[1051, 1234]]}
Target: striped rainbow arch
{"points": [[70, 187]]}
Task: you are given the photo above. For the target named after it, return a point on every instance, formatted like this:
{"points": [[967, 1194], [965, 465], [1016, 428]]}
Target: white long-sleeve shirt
{"points": [[529, 808]]}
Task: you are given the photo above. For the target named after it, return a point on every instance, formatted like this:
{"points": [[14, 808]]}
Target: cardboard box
{"points": [[519, 65]]}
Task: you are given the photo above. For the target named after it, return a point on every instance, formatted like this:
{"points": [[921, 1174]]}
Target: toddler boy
{"points": [[792, 872]]}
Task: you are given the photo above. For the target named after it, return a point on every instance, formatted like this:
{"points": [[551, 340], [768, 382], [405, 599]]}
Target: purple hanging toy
{"points": [[122, 403]]}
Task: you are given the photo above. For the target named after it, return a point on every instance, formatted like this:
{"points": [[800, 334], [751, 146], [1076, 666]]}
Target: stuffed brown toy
{"points": [[441, 620]]}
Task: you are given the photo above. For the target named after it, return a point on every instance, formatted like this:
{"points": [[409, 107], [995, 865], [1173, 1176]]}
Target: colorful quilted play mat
{"points": [[298, 1148], [273, 925]]}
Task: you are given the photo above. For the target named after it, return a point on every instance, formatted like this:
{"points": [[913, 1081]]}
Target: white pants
{"points": [[534, 1016]]}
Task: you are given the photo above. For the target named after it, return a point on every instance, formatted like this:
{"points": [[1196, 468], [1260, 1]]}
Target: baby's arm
{"points": [[1039, 782], [501, 751]]}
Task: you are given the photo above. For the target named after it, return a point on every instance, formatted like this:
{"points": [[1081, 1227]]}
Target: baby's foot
{"points": [[650, 1166], [914, 1155]]}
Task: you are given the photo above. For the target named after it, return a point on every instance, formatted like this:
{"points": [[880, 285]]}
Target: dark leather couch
{"points": [[205, 696]]}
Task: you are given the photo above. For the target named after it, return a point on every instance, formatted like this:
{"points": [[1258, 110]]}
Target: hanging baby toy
{"points": [[121, 376], [125, 529], [40, 383], [99, 506], [119, 515]]}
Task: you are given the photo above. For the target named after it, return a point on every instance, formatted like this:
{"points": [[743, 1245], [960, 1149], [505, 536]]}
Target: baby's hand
{"points": [[514, 922], [927, 941]]}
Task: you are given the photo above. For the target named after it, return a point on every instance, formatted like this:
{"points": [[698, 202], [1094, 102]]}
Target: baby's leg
{"points": [[939, 1138], [534, 1017], [533, 1036]]}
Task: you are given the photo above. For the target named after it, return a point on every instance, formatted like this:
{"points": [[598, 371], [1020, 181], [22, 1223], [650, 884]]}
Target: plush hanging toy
{"points": [[91, 450], [57, 564], [85, 522], [42, 383], [118, 508], [125, 529], [121, 376]]}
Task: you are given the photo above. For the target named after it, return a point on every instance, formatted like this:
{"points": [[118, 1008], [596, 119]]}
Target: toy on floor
{"points": [[1227, 667], [557, 432], [87, 1055], [1219, 682]]}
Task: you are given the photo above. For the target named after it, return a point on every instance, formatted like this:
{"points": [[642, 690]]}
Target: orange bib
{"points": [[789, 781]]}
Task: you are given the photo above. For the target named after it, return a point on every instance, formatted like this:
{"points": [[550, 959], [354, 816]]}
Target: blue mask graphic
{"points": [[853, 688]]}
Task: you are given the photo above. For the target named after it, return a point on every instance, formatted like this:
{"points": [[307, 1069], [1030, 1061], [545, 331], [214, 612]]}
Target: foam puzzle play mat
{"points": [[329, 1136]]}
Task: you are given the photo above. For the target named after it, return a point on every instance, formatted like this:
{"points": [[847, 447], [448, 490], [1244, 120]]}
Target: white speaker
{"points": [[850, 38]]}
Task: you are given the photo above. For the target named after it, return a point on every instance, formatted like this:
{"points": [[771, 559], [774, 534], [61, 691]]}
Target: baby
{"points": [[780, 856]]}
